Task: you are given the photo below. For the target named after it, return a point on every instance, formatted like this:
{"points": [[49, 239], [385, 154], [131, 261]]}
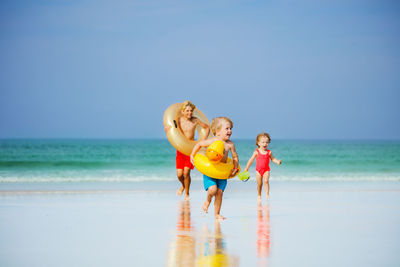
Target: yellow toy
{"points": [[214, 168], [215, 151]]}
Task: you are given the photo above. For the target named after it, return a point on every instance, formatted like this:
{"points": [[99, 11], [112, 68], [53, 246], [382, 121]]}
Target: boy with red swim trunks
{"points": [[263, 155], [187, 124]]}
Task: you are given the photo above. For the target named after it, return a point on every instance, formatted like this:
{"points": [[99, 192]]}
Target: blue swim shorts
{"points": [[208, 181]]}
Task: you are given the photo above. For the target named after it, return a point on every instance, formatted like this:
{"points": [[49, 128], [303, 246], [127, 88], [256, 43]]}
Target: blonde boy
{"points": [[187, 124], [222, 129]]}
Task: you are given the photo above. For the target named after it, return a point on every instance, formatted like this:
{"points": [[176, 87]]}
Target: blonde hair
{"points": [[186, 104], [216, 123], [262, 135]]}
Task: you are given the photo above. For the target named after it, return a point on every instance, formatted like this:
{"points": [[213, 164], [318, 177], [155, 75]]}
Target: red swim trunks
{"points": [[183, 161]]}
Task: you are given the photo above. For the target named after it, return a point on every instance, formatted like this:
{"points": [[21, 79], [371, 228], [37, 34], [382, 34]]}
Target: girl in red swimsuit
{"points": [[263, 155]]}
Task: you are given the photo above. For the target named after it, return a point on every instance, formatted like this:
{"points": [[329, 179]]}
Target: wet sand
{"points": [[303, 224]]}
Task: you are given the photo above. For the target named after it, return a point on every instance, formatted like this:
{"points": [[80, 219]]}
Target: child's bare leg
{"points": [[179, 174], [266, 183], [217, 205], [212, 190], [186, 181], [259, 186]]}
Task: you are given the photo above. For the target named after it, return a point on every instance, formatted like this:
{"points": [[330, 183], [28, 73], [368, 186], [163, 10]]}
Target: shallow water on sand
{"points": [[315, 224]]}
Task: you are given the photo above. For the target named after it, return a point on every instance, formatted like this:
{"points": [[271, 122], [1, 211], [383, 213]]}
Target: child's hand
{"points": [[233, 172], [192, 159], [279, 162]]}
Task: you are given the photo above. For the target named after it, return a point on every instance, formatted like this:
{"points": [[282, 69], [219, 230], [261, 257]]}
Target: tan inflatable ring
{"points": [[174, 134]]}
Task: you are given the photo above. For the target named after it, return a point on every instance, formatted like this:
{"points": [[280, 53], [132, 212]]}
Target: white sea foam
{"points": [[134, 178]]}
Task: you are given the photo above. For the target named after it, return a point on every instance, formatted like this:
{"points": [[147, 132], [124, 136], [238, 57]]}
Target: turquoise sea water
{"points": [[114, 161]]}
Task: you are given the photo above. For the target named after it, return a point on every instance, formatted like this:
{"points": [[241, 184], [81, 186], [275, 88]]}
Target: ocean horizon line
{"points": [[165, 138]]}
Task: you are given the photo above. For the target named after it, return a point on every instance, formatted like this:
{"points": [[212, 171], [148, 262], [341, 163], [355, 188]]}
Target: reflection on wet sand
{"points": [[263, 235], [211, 247], [182, 249]]}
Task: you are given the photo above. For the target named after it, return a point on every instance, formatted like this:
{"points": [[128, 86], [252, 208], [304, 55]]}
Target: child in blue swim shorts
{"points": [[208, 181], [222, 129]]}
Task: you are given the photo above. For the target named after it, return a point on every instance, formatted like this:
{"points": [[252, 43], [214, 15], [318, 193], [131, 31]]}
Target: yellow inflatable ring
{"points": [[174, 134], [213, 169]]}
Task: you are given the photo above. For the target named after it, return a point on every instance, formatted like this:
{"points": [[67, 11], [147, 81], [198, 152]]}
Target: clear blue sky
{"points": [[108, 69]]}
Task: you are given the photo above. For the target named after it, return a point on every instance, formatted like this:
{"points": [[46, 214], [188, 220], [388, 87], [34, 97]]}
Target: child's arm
{"points": [[277, 161], [235, 159], [199, 145], [251, 161], [205, 126]]}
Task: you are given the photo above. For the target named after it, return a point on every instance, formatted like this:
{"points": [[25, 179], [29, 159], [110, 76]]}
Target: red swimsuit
{"points": [[262, 160]]}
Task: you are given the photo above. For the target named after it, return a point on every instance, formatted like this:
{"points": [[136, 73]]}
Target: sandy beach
{"points": [[303, 224], [101, 100]]}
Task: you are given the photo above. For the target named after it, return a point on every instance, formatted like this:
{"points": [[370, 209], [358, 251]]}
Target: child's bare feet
{"points": [[259, 199], [187, 197], [219, 217], [180, 191], [205, 206]]}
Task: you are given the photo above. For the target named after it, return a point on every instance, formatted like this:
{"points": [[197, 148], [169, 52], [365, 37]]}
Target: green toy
{"points": [[244, 176]]}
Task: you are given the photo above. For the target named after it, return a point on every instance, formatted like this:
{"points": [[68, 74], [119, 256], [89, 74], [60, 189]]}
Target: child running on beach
{"points": [[263, 155], [187, 124], [222, 129]]}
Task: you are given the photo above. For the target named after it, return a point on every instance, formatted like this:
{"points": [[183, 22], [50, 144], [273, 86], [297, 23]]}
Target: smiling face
{"points": [[225, 130], [187, 112], [263, 143]]}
